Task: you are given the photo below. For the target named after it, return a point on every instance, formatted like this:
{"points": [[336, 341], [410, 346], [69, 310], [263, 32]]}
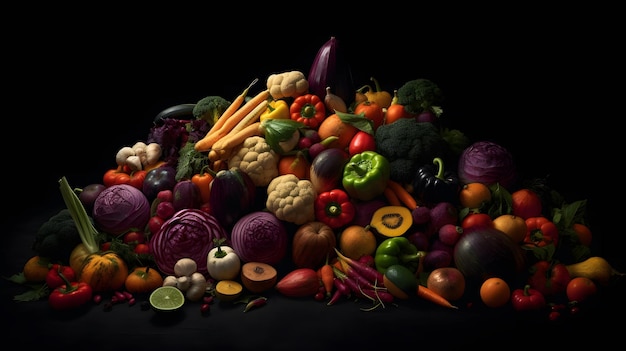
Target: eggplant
{"points": [[327, 169], [186, 195], [330, 69], [232, 196]]}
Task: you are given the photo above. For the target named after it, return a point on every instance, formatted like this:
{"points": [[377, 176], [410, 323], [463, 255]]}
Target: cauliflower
{"points": [[287, 84], [291, 199], [255, 157]]}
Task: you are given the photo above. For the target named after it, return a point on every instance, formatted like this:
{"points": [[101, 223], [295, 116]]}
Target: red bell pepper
{"points": [[527, 299], [123, 175], [70, 295], [541, 232], [54, 277], [549, 278], [334, 208], [308, 109]]}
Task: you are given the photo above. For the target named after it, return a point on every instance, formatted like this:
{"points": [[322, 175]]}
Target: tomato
{"points": [[372, 111], [106, 246], [476, 220], [580, 289], [155, 223], [142, 249], [134, 237], [361, 141]]}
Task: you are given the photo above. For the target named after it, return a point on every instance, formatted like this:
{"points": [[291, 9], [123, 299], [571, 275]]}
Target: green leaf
{"points": [[358, 121], [279, 130], [35, 293]]}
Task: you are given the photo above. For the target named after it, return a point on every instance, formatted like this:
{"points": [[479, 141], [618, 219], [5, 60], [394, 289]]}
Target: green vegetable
{"points": [[56, 238], [397, 251], [365, 176], [420, 95], [407, 145], [210, 108]]}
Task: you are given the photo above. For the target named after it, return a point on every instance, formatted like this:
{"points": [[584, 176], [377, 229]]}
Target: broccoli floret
{"points": [[407, 145], [210, 108], [420, 95], [56, 238]]}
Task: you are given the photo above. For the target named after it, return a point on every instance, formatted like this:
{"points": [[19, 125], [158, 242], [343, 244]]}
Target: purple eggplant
{"points": [[330, 69]]}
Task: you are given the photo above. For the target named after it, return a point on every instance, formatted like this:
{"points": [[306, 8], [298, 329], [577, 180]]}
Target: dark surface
{"points": [[536, 87]]}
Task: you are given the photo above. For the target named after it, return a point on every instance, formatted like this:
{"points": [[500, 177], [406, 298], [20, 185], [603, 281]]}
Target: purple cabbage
{"points": [[119, 208], [488, 163]]}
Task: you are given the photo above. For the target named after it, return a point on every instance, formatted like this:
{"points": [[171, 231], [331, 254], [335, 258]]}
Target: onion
{"points": [[259, 237], [188, 234], [488, 163], [119, 208]]}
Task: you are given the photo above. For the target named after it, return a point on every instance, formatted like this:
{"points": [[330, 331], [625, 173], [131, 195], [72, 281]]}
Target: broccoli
{"points": [[56, 238], [420, 95], [210, 108], [408, 144]]}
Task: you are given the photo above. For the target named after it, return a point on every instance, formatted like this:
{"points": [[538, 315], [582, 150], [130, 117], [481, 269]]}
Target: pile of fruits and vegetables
{"points": [[308, 187]]}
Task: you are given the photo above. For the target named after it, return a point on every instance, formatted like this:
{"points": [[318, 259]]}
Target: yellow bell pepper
{"points": [[276, 109]]}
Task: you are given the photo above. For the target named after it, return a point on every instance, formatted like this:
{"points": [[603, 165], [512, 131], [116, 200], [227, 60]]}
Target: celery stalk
{"points": [[88, 233]]}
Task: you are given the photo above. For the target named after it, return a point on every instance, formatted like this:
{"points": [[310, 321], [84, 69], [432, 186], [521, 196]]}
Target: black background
{"points": [[538, 81]]}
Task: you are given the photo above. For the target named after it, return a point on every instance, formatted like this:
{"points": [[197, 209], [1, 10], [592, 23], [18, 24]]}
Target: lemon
{"points": [[167, 298]]}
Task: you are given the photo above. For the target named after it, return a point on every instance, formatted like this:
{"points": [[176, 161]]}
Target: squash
{"points": [[258, 277], [143, 280], [391, 221], [104, 271], [595, 268], [312, 244]]}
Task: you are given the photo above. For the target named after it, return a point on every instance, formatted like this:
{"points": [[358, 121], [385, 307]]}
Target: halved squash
{"points": [[391, 221]]}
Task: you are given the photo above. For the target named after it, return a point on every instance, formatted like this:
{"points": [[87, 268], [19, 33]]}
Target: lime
{"points": [[167, 298]]}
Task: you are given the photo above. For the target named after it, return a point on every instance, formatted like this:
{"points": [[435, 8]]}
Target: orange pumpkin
{"points": [[143, 280], [312, 243], [104, 271]]}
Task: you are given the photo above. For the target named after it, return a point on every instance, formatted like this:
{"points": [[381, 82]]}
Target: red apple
{"points": [[448, 282]]}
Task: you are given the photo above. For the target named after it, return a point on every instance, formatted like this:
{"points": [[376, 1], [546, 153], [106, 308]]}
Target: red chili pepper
{"points": [[70, 295], [334, 208], [541, 232], [54, 277], [308, 109], [527, 299]]}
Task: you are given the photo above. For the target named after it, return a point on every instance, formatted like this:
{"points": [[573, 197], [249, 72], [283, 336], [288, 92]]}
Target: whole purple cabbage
{"points": [[488, 163], [119, 208], [188, 234], [259, 237]]}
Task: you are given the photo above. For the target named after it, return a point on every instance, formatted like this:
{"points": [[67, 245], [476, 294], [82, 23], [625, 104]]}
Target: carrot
{"points": [[206, 143], [223, 147], [403, 195], [251, 117], [429, 295], [391, 197], [327, 275], [234, 106]]}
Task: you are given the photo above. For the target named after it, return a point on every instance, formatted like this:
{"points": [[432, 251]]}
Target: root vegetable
{"points": [[185, 267]]}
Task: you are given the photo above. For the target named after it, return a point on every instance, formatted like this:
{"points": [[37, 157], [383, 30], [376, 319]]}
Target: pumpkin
{"points": [[313, 242], [143, 280], [104, 271]]}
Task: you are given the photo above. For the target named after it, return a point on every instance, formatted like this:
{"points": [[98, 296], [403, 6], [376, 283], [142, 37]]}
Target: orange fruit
{"points": [[513, 226], [356, 241], [583, 232], [334, 126], [474, 195], [36, 269], [526, 203], [495, 292]]}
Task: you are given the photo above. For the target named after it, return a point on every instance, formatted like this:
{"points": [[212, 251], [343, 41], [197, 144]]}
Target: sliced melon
{"points": [[392, 221]]}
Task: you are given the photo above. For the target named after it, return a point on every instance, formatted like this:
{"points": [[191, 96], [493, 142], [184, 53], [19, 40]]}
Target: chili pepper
{"points": [[54, 277], [541, 232], [365, 176], [308, 109], [258, 302], [398, 250], [433, 184], [334, 208], [70, 295], [203, 181], [276, 109], [527, 299]]}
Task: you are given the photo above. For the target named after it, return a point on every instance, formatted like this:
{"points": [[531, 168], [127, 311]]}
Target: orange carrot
{"points": [[391, 197], [234, 106], [429, 295], [327, 275], [235, 139], [403, 195]]}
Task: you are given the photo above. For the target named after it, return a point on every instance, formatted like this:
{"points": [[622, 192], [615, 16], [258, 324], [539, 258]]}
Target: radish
{"points": [[364, 270]]}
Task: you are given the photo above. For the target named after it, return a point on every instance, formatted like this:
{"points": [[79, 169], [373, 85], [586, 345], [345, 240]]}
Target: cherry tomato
{"points": [[361, 141], [580, 289], [476, 220], [134, 237], [395, 112], [142, 249]]}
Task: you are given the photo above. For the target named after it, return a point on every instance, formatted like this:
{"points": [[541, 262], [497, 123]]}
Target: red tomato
{"points": [[106, 246], [372, 111], [580, 289], [119, 176], [155, 223], [361, 141], [395, 112], [476, 220], [142, 249], [134, 237]]}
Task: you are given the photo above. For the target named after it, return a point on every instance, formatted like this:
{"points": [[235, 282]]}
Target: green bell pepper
{"points": [[365, 176], [398, 250]]}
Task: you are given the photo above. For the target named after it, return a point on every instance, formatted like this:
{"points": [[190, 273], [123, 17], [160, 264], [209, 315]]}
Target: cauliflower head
{"points": [[255, 157], [291, 199]]}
